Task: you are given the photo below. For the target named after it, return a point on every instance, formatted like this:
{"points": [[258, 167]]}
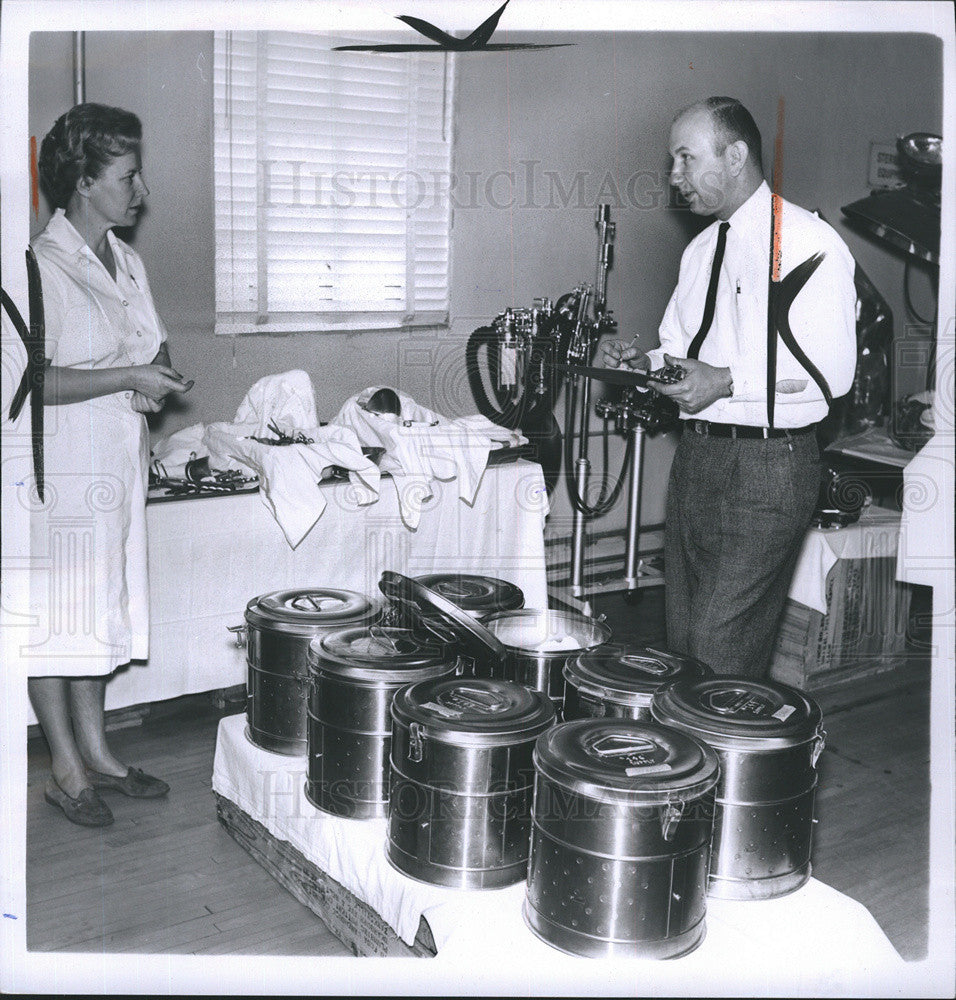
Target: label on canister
{"points": [[731, 709]]}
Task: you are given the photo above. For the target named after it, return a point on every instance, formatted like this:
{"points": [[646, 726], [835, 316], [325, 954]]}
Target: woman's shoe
{"points": [[87, 809], [135, 783]]}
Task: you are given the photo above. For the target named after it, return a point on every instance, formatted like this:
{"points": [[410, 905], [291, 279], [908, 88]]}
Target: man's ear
{"points": [[737, 153]]}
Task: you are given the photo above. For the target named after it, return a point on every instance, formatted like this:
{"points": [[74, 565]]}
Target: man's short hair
{"points": [[732, 121]]}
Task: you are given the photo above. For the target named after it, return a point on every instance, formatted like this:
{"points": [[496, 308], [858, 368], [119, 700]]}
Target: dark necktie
{"points": [[711, 301]]}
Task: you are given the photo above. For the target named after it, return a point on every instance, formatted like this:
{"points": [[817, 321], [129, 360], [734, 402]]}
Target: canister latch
{"points": [[416, 740], [818, 744], [671, 815], [240, 633]]}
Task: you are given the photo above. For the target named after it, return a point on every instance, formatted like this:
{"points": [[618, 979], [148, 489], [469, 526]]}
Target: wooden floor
{"points": [[167, 878]]}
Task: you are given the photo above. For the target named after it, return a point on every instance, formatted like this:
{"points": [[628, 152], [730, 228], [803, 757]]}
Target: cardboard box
{"points": [[862, 635]]}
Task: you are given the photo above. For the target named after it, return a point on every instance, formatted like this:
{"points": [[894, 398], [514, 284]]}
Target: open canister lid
{"points": [[306, 609], [733, 712], [476, 594], [546, 632], [440, 616], [626, 760], [471, 711], [629, 675], [379, 653]]}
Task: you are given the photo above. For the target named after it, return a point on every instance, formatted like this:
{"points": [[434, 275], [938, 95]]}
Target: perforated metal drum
{"points": [[768, 738], [623, 812], [617, 680], [355, 674], [462, 779], [279, 627]]}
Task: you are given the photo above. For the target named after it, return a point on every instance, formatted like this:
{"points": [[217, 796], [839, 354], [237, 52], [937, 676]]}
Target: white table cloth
{"points": [[875, 535], [815, 941], [209, 556]]}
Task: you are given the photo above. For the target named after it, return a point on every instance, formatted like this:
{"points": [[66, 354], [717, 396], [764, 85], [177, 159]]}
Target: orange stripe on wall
{"points": [[34, 178], [777, 208]]}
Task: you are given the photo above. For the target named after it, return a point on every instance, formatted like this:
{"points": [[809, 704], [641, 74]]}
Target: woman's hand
{"points": [[617, 354], [143, 404], [156, 382]]}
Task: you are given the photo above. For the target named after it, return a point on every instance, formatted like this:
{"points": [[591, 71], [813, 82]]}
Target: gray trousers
{"points": [[737, 513]]}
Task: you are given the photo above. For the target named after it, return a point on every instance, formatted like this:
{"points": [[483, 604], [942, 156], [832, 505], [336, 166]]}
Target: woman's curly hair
{"points": [[81, 143]]}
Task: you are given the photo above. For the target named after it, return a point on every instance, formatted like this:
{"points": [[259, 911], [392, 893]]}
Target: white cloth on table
{"points": [[209, 556], [171, 454], [811, 939], [290, 475], [873, 536], [421, 446], [90, 588], [286, 400]]}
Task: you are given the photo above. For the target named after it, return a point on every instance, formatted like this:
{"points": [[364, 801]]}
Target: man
{"points": [[745, 478]]}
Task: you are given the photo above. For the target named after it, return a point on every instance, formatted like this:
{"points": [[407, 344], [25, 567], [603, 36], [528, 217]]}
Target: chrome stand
{"points": [[631, 416], [632, 565]]}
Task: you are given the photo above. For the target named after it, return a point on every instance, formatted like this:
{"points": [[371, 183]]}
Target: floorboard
{"points": [[167, 878]]}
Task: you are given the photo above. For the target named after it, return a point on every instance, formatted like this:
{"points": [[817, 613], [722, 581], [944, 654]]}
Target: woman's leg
{"points": [[51, 702], [87, 697]]}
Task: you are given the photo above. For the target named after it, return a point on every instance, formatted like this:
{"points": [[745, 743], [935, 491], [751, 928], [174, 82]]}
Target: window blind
{"points": [[332, 175]]}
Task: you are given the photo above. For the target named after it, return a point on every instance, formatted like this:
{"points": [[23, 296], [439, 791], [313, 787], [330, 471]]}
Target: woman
{"points": [[109, 366]]}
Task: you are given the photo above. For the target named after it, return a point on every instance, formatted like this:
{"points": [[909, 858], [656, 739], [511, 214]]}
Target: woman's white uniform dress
{"points": [[90, 588]]}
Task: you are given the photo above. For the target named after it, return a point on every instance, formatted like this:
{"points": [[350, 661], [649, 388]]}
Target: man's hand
{"points": [[617, 354], [702, 385]]}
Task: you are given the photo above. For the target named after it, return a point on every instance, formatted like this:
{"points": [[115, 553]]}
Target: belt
{"points": [[709, 429]]}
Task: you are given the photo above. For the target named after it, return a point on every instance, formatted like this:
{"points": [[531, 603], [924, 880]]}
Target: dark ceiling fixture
{"points": [[477, 41], [908, 217]]}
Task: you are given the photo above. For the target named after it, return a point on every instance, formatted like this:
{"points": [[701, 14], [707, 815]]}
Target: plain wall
{"points": [[540, 137]]}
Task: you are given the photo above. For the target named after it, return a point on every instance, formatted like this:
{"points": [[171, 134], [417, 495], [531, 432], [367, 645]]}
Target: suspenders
{"points": [[780, 297], [31, 381]]}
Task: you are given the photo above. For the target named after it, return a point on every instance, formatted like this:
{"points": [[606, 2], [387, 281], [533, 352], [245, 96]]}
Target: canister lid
{"points": [[474, 593], [470, 711], [307, 608], [626, 760], [734, 711], [629, 675], [379, 653], [541, 632], [439, 616]]}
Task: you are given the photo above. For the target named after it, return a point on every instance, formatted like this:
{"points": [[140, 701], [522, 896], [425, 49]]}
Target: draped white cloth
{"points": [[815, 941], [209, 556], [873, 536]]}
